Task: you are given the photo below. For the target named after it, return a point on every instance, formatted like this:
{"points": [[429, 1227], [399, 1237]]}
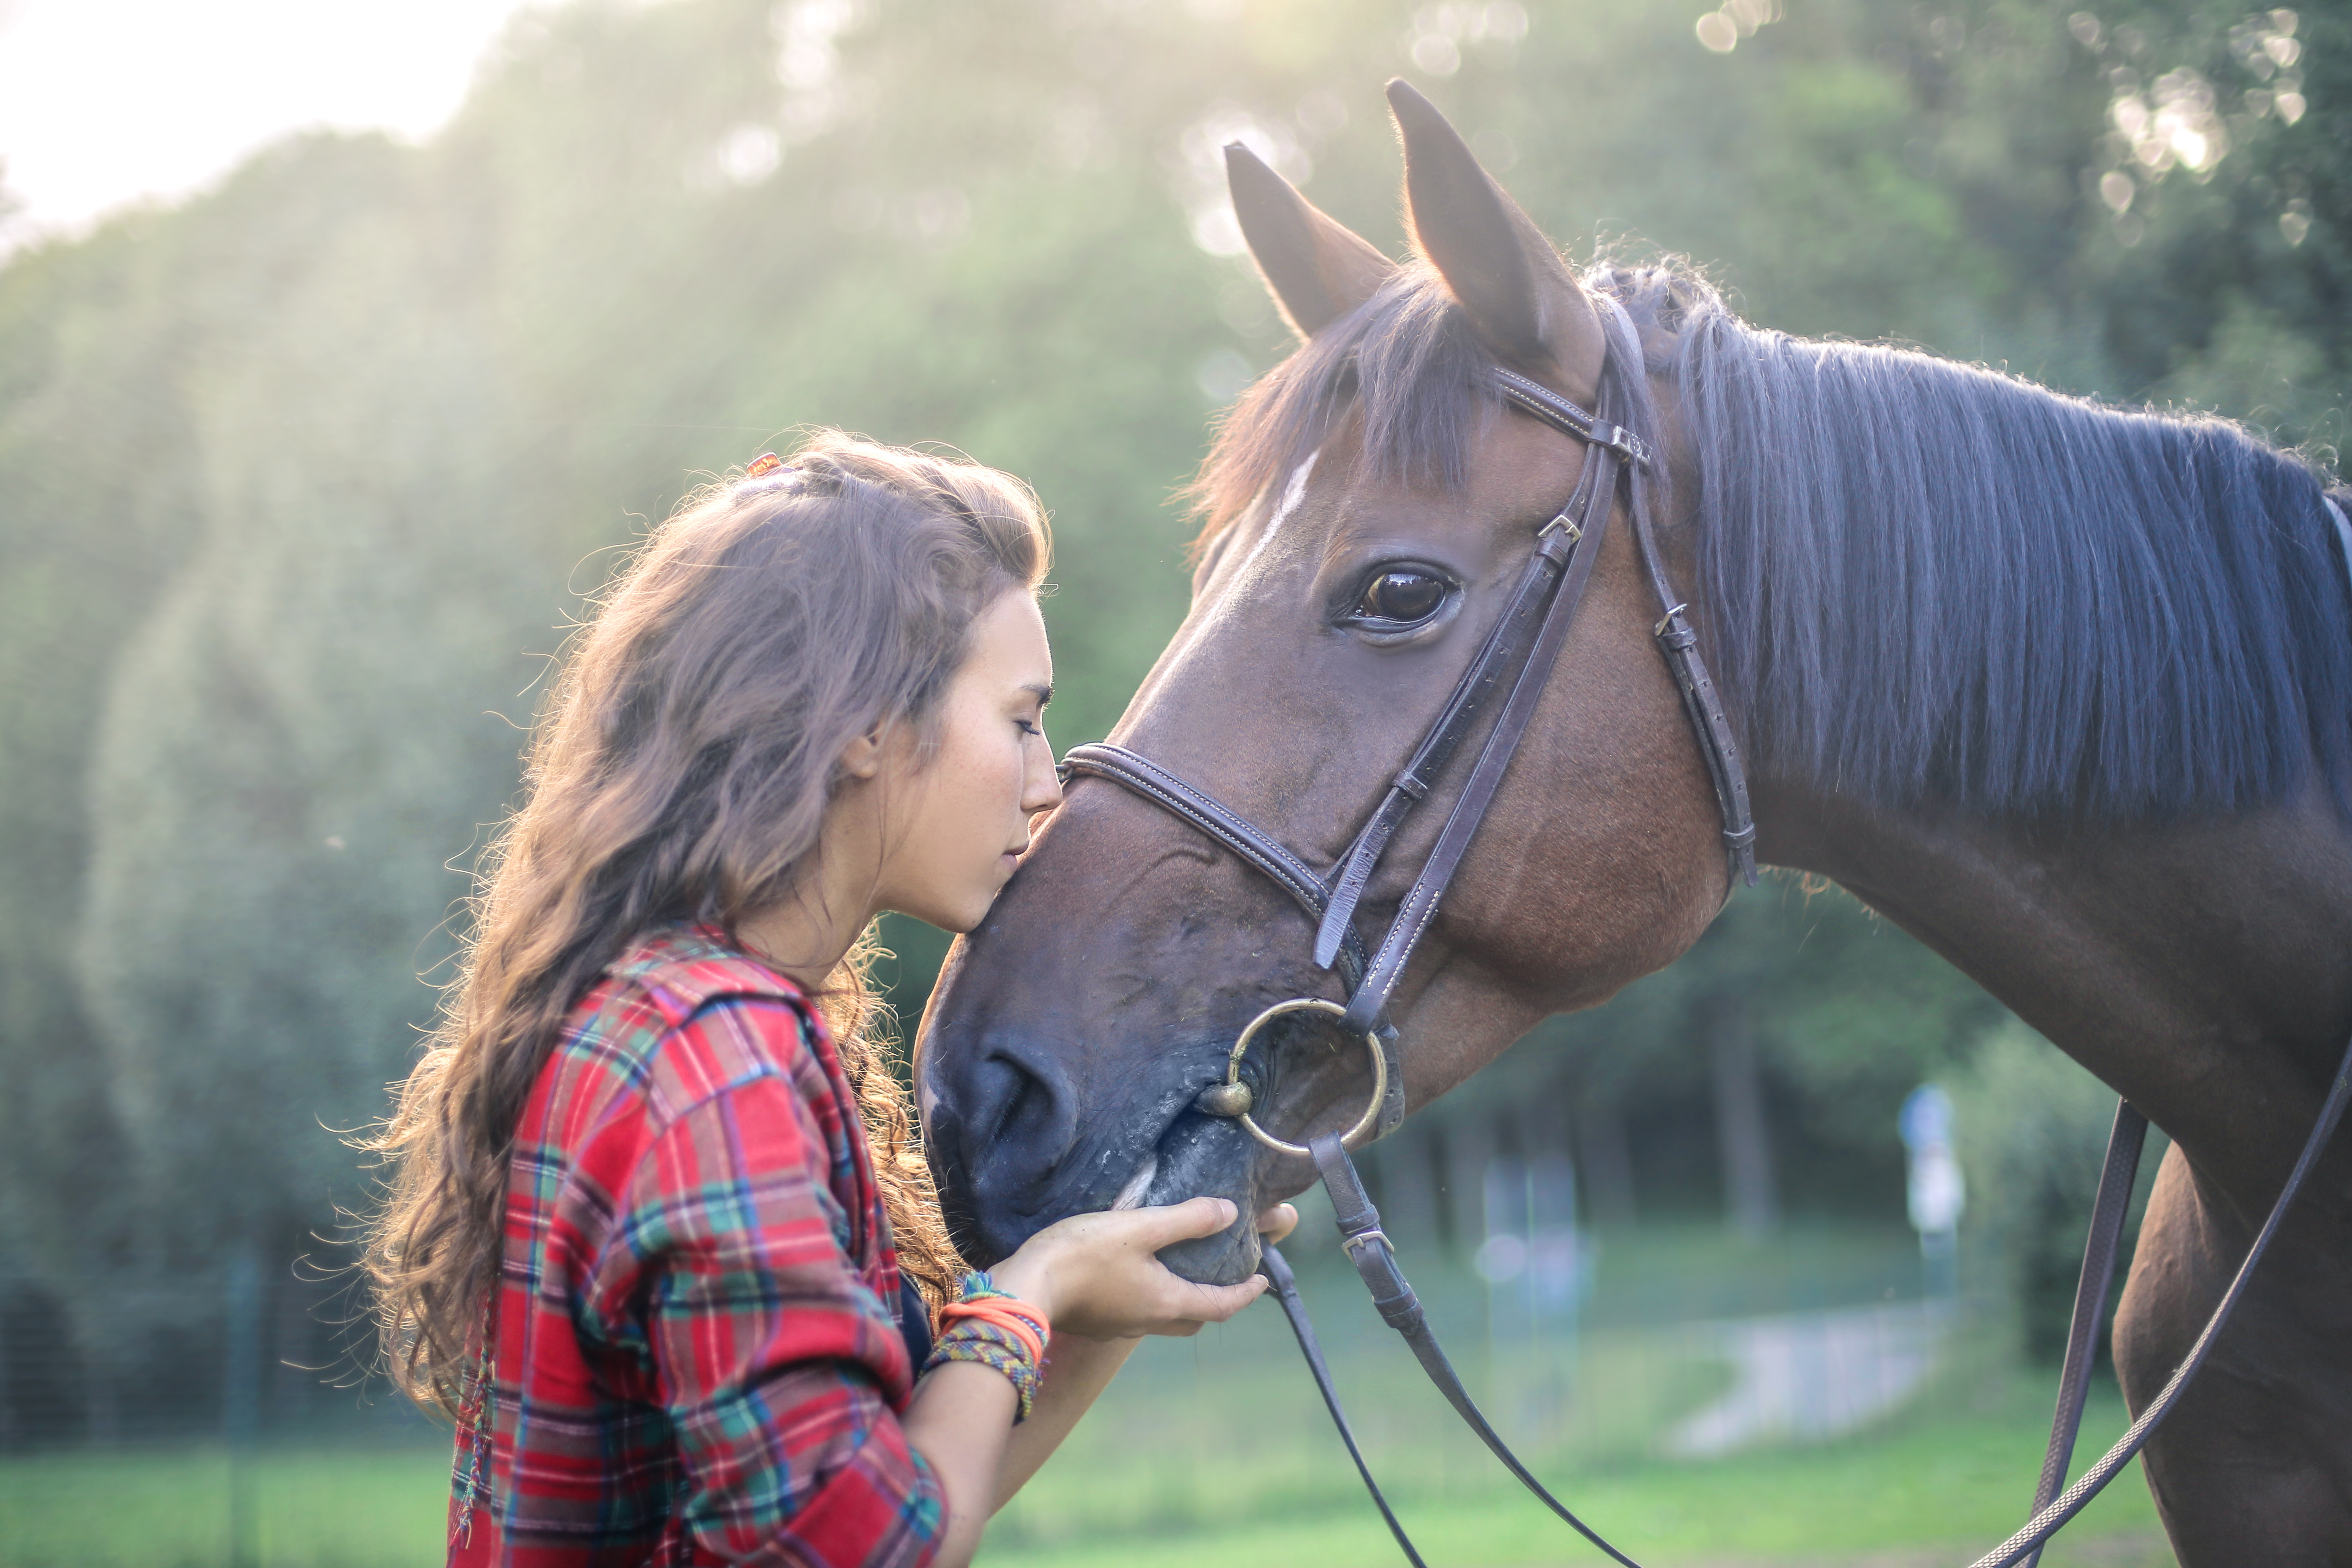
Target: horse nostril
{"points": [[1022, 1103], [1022, 1115]]}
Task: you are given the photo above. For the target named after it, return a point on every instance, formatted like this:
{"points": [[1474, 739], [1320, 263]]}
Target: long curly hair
{"points": [[680, 769]]}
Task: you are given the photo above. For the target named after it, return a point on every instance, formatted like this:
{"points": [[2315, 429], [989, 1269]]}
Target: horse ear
{"points": [[1522, 300], [1317, 268]]}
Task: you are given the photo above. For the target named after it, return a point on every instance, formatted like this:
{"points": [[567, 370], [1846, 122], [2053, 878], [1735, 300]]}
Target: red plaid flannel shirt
{"points": [[698, 1353]]}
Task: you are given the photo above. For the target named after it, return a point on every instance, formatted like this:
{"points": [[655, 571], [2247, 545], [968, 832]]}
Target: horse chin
{"points": [[1199, 1156], [1228, 1258]]}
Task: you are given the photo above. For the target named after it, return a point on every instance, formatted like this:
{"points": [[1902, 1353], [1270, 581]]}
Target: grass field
{"points": [[1216, 1449], [1925, 1491]]}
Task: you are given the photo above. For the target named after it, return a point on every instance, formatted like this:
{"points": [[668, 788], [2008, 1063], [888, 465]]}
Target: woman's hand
{"points": [[1095, 1275], [1079, 1366]]}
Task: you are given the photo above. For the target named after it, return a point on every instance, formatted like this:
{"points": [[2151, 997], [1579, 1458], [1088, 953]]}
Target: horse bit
{"points": [[1518, 654]]}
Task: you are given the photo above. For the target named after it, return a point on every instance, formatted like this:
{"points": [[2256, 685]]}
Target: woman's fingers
{"points": [[1277, 1223], [1099, 1274], [1157, 1228], [1189, 1304], [1215, 1303]]}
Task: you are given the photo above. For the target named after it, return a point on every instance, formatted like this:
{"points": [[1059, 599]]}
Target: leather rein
{"points": [[1515, 664]]}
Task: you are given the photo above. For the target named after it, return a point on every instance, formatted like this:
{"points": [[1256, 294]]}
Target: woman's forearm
{"points": [[1078, 1370], [960, 1421]]}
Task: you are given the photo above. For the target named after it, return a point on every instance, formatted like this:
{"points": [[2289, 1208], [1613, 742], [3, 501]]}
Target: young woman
{"points": [[656, 1234]]}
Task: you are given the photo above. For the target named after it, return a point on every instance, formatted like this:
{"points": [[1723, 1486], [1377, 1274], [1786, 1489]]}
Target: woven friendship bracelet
{"points": [[993, 1329], [1016, 1317], [982, 1299], [979, 1285], [990, 1345]]}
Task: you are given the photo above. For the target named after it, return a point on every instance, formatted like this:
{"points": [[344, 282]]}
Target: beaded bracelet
{"points": [[993, 1329]]}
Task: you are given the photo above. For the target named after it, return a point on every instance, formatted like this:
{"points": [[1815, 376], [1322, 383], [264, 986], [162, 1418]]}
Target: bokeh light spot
{"points": [[1437, 54], [1222, 375]]}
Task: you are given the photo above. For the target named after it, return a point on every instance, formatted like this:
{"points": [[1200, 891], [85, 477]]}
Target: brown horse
{"points": [[2061, 689]]}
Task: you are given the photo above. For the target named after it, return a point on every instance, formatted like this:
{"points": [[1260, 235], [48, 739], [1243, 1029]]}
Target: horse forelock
{"points": [[1405, 362]]}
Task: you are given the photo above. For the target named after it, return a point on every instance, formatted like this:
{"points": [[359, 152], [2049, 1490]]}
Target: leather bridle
{"points": [[1506, 677], [1518, 654]]}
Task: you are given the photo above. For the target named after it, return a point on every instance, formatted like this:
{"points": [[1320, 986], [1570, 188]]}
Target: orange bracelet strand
{"points": [[1017, 1318]]}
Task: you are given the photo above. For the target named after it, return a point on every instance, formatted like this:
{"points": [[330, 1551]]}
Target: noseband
{"points": [[1507, 677]]}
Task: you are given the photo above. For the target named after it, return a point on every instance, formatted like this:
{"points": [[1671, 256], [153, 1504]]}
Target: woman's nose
{"points": [[1042, 788]]}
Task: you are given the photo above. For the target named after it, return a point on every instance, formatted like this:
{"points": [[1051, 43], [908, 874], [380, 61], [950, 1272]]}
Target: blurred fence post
{"points": [[1751, 1198], [1937, 1193], [7, 1371], [241, 1406]]}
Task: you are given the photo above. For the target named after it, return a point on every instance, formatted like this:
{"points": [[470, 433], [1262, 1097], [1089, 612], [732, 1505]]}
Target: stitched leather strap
{"points": [[2048, 1519], [1575, 556], [1141, 775], [1717, 747], [1505, 645], [1369, 1249]]}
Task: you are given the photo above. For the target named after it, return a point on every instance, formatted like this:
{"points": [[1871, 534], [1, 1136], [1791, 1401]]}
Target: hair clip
{"points": [[767, 474]]}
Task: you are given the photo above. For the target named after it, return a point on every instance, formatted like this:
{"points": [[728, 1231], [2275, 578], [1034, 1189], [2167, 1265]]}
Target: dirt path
{"points": [[1811, 1375]]}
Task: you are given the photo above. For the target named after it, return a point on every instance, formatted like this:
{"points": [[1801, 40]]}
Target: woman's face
{"points": [[956, 822]]}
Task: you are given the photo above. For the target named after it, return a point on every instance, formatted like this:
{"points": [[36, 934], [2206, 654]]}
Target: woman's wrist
{"points": [[1026, 1276], [994, 1328]]}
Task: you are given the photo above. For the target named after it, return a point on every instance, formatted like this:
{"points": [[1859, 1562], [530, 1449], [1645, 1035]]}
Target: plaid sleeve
{"points": [[727, 1266]]}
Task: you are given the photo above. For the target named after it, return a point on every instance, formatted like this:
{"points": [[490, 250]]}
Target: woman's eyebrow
{"points": [[1044, 694]]}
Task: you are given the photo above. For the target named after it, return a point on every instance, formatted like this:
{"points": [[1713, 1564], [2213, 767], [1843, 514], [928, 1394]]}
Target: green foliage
{"points": [[301, 482], [1850, 1013]]}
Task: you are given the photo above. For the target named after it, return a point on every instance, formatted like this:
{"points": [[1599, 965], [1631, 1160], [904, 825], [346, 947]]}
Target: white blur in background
{"points": [[104, 103]]}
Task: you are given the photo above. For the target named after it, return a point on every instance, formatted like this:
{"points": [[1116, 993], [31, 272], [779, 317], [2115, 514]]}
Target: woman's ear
{"points": [[862, 758]]}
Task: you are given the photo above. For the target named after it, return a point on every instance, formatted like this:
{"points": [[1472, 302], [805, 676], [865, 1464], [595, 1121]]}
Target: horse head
{"points": [[1370, 504]]}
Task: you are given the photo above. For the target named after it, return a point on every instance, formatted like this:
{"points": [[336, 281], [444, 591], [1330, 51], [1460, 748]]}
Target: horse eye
{"points": [[1401, 597]]}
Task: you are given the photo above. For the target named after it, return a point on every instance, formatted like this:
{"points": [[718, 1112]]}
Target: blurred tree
{"points": [[1837, 1017]]}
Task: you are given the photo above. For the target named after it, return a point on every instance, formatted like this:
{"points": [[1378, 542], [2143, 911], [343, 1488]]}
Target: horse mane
{"points": [[1919, 580]]}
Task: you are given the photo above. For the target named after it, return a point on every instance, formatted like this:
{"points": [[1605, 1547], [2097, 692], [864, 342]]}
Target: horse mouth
{"points": [[1203, 1156], [1137, 1185], [1002, 1186]]}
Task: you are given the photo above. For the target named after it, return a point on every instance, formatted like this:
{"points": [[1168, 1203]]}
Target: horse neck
{"points": [[2198, 969]]}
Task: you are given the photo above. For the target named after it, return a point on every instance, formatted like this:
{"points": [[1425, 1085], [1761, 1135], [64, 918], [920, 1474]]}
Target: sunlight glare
{"points": [[104, 103]]}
